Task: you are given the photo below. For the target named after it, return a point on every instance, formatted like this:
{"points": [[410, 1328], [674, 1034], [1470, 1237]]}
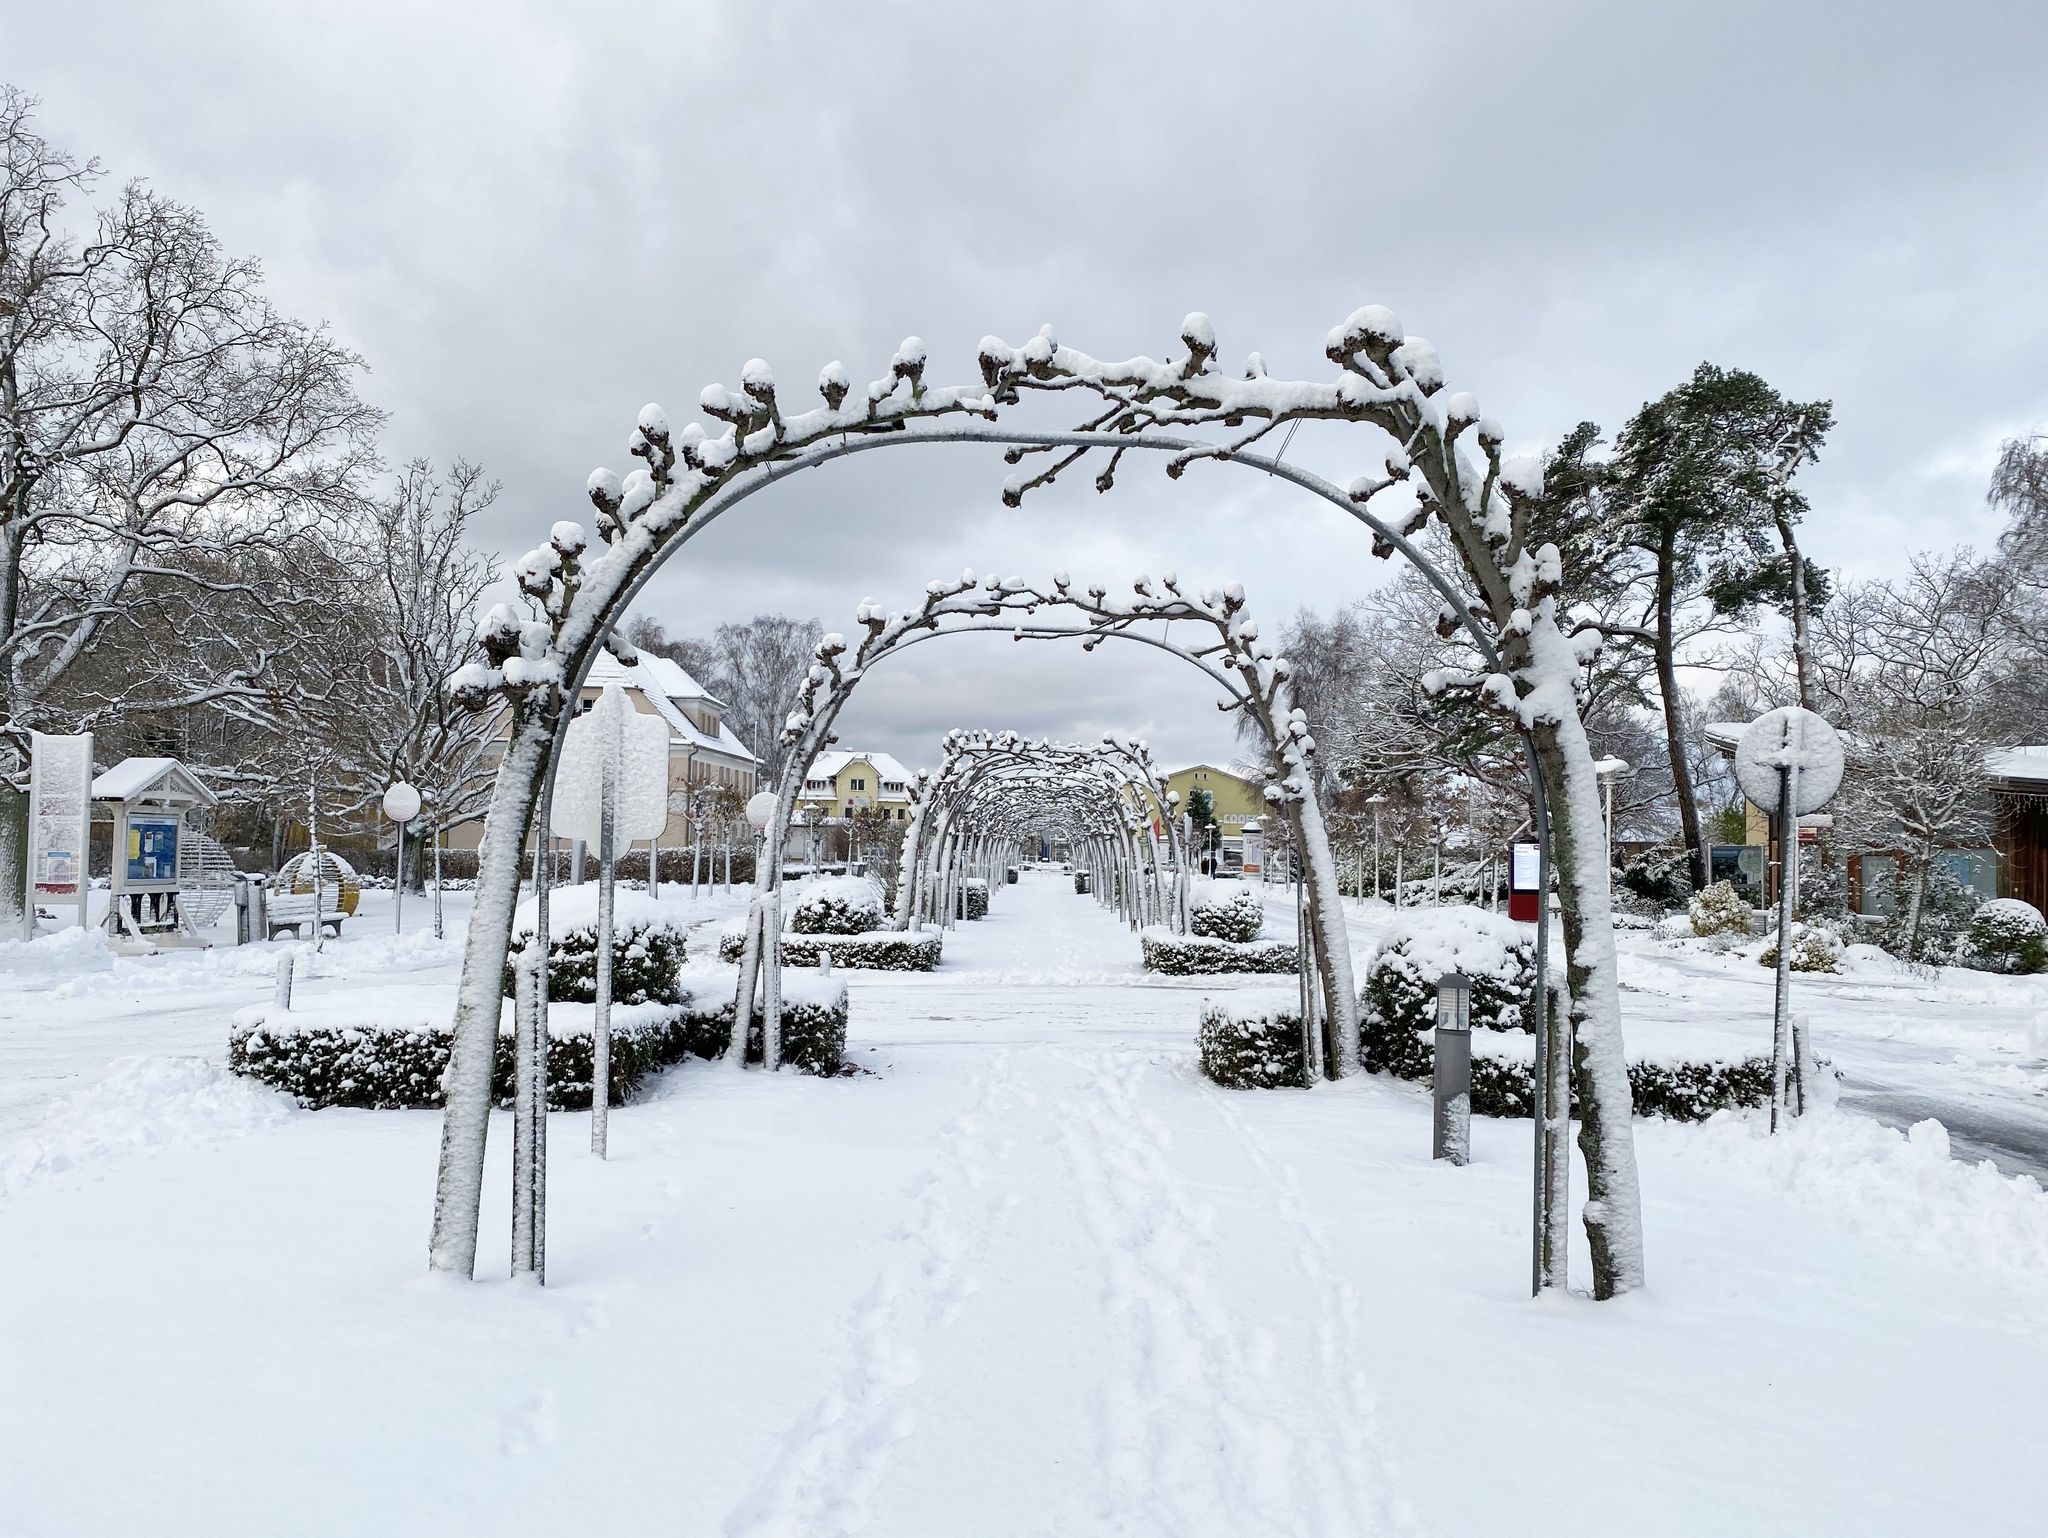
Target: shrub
{"points": [[1081, 882], [1399, 997], [1253, 1041], [1657, 876], [647, 946], [2007, 935], [1010, 875], [1946, 910], [1813, 950], [881, 950], [1719, 910], [840, 905], [1218, 911], [339, 1062], [974, 898], [1198, 955]]}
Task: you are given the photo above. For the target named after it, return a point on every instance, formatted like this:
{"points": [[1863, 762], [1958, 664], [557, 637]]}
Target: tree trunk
{"points": [[1674, 730], [1613, 1213], [1333, 940], [479, 1003], [1802, 644]]}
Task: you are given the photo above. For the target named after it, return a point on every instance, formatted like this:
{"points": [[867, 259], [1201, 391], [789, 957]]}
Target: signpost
{"points": [[59, 824], [1789, 762], [401, 805], [612, 784], [1525, 880]]}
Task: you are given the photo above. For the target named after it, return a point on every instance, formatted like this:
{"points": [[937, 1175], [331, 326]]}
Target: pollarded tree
{"points": [[1506, 590]]}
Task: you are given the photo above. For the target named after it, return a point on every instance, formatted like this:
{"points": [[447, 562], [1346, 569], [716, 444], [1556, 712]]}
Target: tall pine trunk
{"points": [[1674, 726]]}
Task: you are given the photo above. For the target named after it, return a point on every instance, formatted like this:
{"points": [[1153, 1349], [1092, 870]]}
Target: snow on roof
{"points": [[826, 766], [666, 686], [135, 777], [2022, 763]]}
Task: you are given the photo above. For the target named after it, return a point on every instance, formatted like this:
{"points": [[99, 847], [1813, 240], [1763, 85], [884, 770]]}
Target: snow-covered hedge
{"points": [[1226, 911], [841, 905], [1398, 1000], [881, 950], [1813, 950], [2007, 935], [1198, 955], [377, 1050], [1719, 910], [1252, 1040], [1503, 1079], [647, 945], [1081, 881], [1010, 875], [974, 898]]}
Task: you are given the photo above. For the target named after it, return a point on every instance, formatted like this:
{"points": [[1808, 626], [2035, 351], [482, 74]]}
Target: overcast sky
{"points": [[531, 219]]}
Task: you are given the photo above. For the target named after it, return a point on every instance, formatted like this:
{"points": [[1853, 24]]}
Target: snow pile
{"points": [[64, 954], [1902, 1187], [144, 1103], [837, 905]]}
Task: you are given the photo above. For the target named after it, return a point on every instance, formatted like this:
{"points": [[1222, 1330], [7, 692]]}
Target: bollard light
{"points": [[1451, 1121]]}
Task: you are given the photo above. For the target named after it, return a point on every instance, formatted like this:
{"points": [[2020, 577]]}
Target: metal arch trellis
{"points": [[1386, 380]]}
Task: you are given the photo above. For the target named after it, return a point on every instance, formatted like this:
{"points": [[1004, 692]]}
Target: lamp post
{"points": [[401, 805], [1609, 770], [1375, 802], [1451, 1123]]}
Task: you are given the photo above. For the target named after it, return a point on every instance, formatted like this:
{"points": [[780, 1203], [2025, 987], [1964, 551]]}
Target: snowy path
{"points": [[1028, 1275]]}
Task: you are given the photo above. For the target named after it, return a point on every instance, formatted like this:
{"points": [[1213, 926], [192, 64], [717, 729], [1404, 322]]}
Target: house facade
{"points": [[703, 752], [1237, 799], [839, 786]]}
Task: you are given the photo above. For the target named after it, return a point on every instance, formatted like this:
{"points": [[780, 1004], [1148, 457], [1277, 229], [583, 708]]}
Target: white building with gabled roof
{"points": [[703, 751]]}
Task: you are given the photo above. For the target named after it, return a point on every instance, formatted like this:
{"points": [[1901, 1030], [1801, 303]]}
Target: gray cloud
{"points": [[533, 219]]}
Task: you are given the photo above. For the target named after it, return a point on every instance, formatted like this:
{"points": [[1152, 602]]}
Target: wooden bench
{"points": [[289, 912]]}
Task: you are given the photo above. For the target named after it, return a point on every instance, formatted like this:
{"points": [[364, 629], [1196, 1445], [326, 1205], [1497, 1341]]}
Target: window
{"points": [[860, 784]]}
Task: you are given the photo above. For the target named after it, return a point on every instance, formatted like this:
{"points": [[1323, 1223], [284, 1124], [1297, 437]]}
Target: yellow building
{"points": [[702, 751], [838, 785], [1237, 800]]}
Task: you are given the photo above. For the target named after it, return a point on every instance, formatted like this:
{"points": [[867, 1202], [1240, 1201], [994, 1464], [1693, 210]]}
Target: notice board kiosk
{"points": [[148, 799]]}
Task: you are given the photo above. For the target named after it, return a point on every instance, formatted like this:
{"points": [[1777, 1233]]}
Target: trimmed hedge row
{"points": [[1218, 913], [1683, 1091], [1198, 956], [1243, 1047], [646, 959], [881, 950], [1081, 883], [379, 1069]]}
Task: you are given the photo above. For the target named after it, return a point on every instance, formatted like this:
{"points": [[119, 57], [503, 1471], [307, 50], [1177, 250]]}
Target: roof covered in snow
{"points": [[667, 687], [2024, 763], [134, 778], [826, 766]]}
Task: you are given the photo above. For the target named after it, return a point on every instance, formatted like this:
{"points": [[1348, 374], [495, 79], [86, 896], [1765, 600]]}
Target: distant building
{"points": [[702, 749], [2013, 864], [838, 785], [1237, 800]]}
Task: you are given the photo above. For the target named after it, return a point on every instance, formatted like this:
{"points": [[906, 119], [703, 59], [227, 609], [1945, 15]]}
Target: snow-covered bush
{"points": [[814, 1015], [1226, 911], [881, 950], [974, 898], [647, 946], [1719, 910], [1813, 950], [1081, 882], [1198, 955], [1657, 877], [1253, 1041], [841, 905], [1010, 875], [1946, 909], [1398, 1000], [2007, 935]]}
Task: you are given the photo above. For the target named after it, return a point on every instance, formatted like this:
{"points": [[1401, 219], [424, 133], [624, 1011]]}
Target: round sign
{"points": [[761, 808], [1789, 737], [401, 802]]}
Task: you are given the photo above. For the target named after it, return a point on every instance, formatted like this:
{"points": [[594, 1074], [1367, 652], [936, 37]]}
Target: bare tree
{"points": [[160, 423]]}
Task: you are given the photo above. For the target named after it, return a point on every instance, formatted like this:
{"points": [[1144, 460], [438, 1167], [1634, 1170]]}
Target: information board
{"points": [[60, 818], [152, 849]]}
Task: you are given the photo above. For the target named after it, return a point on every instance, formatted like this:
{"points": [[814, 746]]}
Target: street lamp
{"points": [[1375, 802], [401, 805], [1609, 770]]}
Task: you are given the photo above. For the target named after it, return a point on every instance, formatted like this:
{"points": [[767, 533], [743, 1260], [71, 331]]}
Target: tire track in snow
{"points": [[1198, 1433], [837, 1455]]}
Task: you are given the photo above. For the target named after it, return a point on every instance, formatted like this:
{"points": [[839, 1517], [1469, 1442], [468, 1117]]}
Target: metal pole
{"points": [[437, 880], [398, 888], [1788, 897], [523, 1011], [313, 858], [601, 1014]]}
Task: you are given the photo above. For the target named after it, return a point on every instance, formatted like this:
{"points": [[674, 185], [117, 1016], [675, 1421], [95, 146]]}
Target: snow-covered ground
{"points": [[1027, 1274]]}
